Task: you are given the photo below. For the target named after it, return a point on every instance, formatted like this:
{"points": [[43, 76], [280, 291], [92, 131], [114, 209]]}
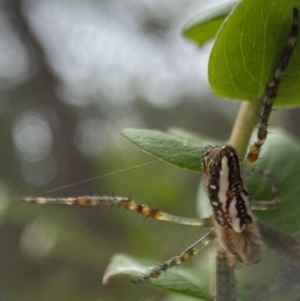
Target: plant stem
{"points": [[247, 118]]}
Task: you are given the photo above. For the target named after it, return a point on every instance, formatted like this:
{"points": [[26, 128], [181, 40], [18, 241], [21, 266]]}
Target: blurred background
{"points": [[73, 74]]}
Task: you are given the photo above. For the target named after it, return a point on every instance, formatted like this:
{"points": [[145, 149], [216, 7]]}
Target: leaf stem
{"points": [[247, 118]]}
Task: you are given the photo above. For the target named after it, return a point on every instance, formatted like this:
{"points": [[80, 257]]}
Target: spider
{"points": [[232, 223]]}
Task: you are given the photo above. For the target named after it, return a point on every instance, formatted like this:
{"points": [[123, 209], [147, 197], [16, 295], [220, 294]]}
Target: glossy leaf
{"points": [[205, 25], [179, 150], [248, 49], [122, 265], [193, 138]]}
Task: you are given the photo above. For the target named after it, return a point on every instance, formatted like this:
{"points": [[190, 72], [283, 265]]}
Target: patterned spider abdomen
{"points": [[230, 202], [225, 189]]}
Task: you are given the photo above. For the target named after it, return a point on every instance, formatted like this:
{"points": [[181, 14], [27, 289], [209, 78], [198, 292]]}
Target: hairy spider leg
{"points": [[86, 201], [271, 90], [177, 260], [225, 282]]}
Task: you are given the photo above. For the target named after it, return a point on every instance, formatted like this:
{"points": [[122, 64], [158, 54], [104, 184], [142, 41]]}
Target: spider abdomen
{"points": [[230, 202]]}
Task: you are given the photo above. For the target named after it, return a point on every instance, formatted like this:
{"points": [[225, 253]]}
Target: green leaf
{"points": [[179, 282], [122, 265], [180, 298], [205, 25], [178, 149], [193, 138], [248, 49]]}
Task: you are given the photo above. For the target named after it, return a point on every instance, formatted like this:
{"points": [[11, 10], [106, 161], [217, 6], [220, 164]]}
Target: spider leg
{"points": [[85, 201], [280, 242], [225, 282], [177, 260], [271, 90], [267, 205]]}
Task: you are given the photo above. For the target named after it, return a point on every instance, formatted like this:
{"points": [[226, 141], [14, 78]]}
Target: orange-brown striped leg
{"points": [[85, 201], [271, 91], [177, 260]]}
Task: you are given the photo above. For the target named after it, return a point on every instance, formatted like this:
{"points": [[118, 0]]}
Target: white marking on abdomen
{"points": [[247, 205], [235, 221], [224, 184]]}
